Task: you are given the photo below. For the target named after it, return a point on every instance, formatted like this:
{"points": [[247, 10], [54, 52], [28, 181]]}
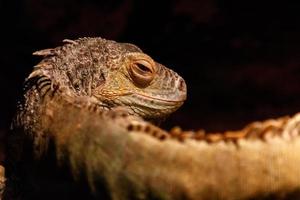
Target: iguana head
{"points": [[115, 74], [137, 82]]}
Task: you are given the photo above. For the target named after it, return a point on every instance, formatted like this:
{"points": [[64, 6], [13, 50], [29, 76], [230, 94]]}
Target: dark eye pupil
{"points": [[143, 68]]}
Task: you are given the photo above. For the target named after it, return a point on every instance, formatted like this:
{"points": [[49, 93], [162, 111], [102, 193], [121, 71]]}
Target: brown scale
{"points": [[260, 130], [149, 130]]}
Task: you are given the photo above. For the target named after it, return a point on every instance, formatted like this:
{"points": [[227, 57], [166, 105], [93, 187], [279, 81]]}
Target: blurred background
{"points": [[240, 59]]}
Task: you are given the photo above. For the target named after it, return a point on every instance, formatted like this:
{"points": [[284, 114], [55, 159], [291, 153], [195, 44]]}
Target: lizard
{"points": [[99, 76], [91, 103]]}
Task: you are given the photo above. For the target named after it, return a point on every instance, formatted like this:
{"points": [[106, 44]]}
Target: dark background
{"points": [[240, 59]]}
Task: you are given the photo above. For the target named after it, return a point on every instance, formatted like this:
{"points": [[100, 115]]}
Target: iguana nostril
{"points": [[182, 85]]}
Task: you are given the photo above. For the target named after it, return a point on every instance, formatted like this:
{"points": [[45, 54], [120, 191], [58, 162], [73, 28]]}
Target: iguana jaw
{"points": [[145, 106], [170, 102]]}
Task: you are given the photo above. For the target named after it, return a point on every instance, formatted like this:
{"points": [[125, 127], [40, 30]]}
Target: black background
{"points": [[240, 59]]}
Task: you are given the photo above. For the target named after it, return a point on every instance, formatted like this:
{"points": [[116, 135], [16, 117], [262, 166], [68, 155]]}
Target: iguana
{"points": [[89, 106]]}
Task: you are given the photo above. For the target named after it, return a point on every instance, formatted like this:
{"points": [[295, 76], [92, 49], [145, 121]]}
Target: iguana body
{"points": [[86, 102]]}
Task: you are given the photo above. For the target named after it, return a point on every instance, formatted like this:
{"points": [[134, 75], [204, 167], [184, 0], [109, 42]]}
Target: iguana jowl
{"points": [[90, 98]]}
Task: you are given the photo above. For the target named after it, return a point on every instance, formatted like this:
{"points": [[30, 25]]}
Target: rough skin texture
{"points": [[86, 105], [2, 181], [102, 77]]}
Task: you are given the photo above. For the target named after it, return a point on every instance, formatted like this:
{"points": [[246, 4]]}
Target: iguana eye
{"points": [[142, 68], [142, 72]]}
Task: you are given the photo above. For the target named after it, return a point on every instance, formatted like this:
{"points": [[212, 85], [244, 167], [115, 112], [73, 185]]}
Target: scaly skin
{"points": [[90, 114], [99, 76], [2, 181]]}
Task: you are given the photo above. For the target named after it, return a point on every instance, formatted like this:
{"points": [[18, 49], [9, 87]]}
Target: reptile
{"points": [[90, 109]]}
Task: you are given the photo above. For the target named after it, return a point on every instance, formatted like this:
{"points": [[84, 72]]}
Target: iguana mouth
{"points": [[170, 101]]}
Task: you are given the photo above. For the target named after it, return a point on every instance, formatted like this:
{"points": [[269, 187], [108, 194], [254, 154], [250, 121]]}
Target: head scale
{"points": [[120, 74]]}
